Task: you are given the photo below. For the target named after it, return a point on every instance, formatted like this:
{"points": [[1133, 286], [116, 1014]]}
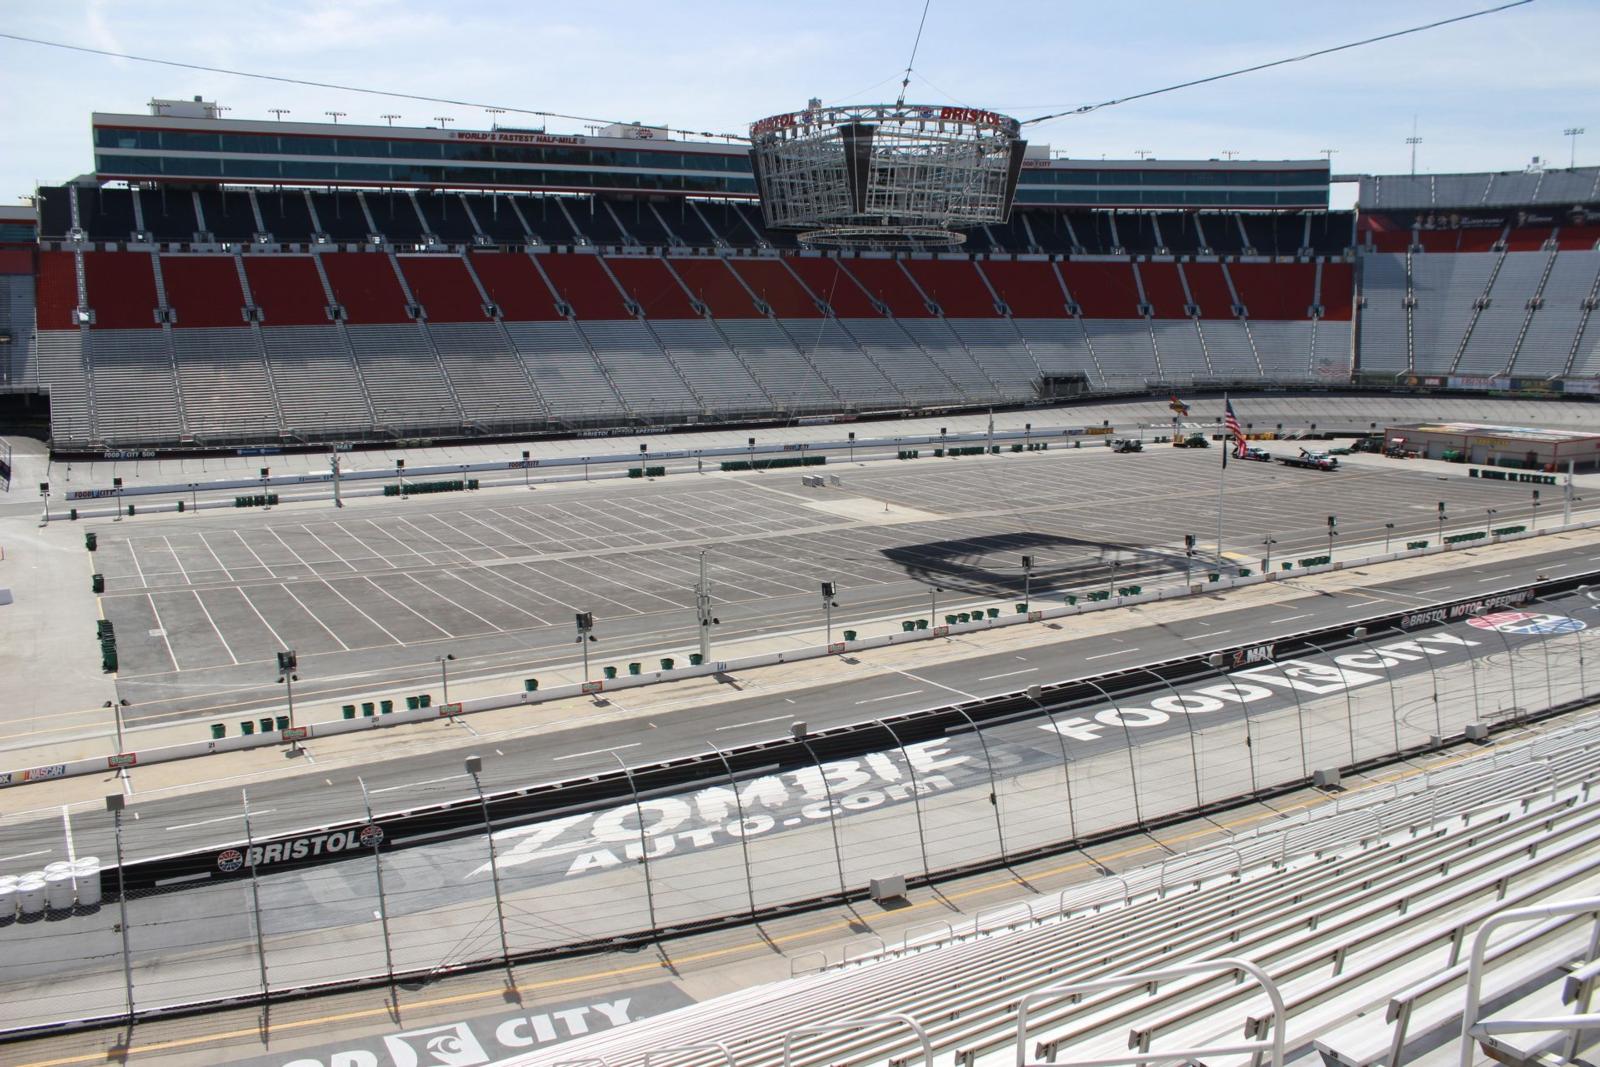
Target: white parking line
{"points": [[596, 752], [1292, 618], [314, 617], [181, 568], [758, 722], [1007, 674], [26, 855], [403, 604], [459, 607], [1119, 652], [214, 628], [254, 553], [251, 605], [363, 614], [891, 696], [162, 627], [66, 823], [1495, 578], [413, 785], [220, 818]]}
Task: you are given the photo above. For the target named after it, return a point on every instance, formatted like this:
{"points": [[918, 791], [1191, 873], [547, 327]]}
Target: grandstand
{"points": [[176, 312]]}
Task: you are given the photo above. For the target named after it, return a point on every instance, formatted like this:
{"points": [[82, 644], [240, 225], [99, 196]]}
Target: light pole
{"points": [[117, 706], [44, 494], [389, 116], [828, 604], [443, 120], [114, 804], [1488, 519], [1388, 532], [444, 673], [278, 112], [1188, 559], [527, 482], [335, 115], [585, 635], [1535, 525], [1027, 582], [1333, 526], [1441, 524], [474, 766], [702, 603], [933, 604], [750, 443], [1111, 578], [1572, 133], [116, 483], [288, 664], [1266, 561], [852, 446]]}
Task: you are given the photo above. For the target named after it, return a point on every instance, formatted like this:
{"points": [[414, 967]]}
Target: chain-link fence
{"points": [[756, 832]]}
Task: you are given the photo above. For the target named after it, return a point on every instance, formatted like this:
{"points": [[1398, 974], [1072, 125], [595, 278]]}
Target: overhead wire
{"points": [[1086, 108], [285, 80], [915, 44]]}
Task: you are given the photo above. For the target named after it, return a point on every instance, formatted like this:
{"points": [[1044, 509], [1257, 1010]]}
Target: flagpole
{"points": [[1222, 481]]}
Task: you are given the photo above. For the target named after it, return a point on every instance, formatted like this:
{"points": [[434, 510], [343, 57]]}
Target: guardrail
{"points": [[403, 828]]}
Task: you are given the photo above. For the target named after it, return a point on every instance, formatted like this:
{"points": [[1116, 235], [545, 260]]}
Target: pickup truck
{"points": [[1260, 455], [1127, 444]]}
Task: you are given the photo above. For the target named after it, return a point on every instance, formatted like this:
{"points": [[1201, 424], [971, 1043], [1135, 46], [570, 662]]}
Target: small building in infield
{"points": [[1505, 446]]}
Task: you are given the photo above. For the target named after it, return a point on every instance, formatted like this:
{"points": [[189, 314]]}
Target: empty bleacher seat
{"points": [[316, 382], [485, 372], [568, 377]]}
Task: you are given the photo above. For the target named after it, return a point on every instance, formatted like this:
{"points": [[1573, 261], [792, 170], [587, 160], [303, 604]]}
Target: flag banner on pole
{"points": [[1230, 424]]}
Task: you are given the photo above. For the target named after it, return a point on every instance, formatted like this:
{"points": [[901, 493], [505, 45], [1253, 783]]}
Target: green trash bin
{"points": [[130, 511], [349, 711], [908, 625], [964, 616], [425, 700], [283, 723], [1072, 599], [951, 620], [922, 624], [386, 706], [530, 685], [247, 727], [611, 672], [1286, 565], [1022, 609], [97, 583], [1213, 576], [411, 703], [91, 540], [849, 635], [633, 668], [994, 613], [266, 725], [696, 659], [367, 709], [219, 730], [666, 663]]}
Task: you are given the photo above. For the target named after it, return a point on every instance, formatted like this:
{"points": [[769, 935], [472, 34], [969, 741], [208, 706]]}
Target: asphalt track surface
{"points": [[163, 825], [813, 831], [372, 596]]}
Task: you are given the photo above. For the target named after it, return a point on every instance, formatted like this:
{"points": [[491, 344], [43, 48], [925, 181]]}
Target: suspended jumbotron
{"points": [[886, 175]]}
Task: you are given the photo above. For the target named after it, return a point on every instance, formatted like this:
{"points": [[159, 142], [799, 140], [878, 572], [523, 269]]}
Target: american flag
{"points": [[1231, 424]]}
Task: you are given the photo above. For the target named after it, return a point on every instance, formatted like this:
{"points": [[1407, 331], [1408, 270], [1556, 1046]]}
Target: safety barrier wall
{"points": [[625, 854]]}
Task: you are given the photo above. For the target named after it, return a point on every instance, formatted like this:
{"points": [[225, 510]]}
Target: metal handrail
{"points": [[1273, 1045], [806, 955], [859, 1024], [708, 1046], [844, 950], [1472, 1025], [905, 935]]}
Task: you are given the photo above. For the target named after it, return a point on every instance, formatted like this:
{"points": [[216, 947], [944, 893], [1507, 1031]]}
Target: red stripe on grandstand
{"points": [[1103, 290], [364, 283], [122, 290], [1209, 288], [834, 287], [582, 282], [1275, 291], [1578, 238], [955, 286], [1029, 288], [55, 291], [884, 279], [1338, 291], [514, 284], [651, 285], [17, 260], [714, 284], [772, 282], [443, 287], [287, 290], [1163, 289], [203, 290]]}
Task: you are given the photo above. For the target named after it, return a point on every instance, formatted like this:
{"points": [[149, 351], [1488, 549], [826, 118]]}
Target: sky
{"points": [[1488, 94]]}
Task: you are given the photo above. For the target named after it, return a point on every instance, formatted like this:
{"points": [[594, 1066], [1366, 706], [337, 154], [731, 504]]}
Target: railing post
{"points": [[644, 844], [1349, 703], [916, 800], [377, 866], [1188, 721], [994, 784], [1360, 634], [744, 844], [1133, 772], [474, 766], [1066, 765], [255, 892], [833, 810]]}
